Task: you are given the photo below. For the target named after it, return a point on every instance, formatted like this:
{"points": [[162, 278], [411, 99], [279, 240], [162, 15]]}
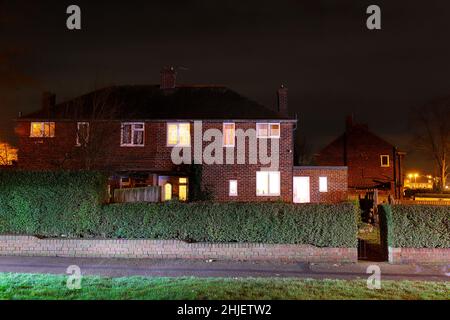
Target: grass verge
{"points": [[39, 286]]}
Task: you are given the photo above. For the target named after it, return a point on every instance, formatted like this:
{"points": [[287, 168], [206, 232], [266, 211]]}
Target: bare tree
{"points": [[431, 127], [96, 129]]}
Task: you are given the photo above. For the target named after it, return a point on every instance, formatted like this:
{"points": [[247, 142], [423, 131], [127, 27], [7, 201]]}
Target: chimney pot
{"points": [[168, 78], [282, 94]]}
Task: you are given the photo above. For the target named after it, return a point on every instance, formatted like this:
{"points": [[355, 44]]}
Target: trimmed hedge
{"points": [[416, 226], [70, 204], [51, 203], [320, 225]]}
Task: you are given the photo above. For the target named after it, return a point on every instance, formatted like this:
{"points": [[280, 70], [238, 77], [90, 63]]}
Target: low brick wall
{"points": [[170, 249], [419, 255]]}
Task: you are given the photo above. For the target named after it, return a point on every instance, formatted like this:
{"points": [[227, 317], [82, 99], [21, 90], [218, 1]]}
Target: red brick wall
{"points": [[419, 255], [216, 177], [61, 152], [171, 249], [336, 181]]}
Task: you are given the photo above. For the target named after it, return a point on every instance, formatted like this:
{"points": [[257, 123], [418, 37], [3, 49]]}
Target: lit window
{"points": [[82, 133], [323, 184], [274, 130], [182, 180], [384, 160], [133, 134], [179, 134], [268, 130], [233, 192], [182, 194], [268, 183], [228, 134], [167, 192], [42, 130]]}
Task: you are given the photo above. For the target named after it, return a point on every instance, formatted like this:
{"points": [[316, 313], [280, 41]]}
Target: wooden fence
{"points": [[146, 194], [426, 202]]}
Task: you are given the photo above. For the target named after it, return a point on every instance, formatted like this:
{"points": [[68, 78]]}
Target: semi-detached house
{"points": [[131, 131]]}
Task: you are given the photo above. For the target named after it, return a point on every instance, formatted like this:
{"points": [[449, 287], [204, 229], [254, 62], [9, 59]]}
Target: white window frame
{"points": [[133, 129], [234, 134], [43, 123], [269, 134], [78, 131], [178, 134], [268, 184], [323, 184], [229, 188], [388, 161]]}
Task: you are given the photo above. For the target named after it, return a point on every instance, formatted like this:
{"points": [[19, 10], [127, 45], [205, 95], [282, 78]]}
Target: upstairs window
{"points": [[268, 130], [228, 134], [384, 160], [132, 134], [323, 184], [42, 130], [82, 133], [267, 183], [179, 134]]}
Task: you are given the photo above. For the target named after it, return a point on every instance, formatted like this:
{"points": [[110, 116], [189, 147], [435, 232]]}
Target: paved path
{"points": [[177, 268]]}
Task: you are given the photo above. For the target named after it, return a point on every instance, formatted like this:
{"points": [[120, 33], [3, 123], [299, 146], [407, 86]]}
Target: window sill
{"points": [[268, 137], [41, 137], [179, 146], [132, 145]]}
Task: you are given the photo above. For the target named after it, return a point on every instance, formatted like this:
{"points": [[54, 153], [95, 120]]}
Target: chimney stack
{"points": [[48, 102], [168, 78], [349, 122], [283, 100]]}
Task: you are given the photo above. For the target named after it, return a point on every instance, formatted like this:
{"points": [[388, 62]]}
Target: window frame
{"points": [[269, 131], [43, 123], [229, 188], [178, 134], [234, 135], [323, 190], [78, 144], [123, 124], [268, 184], [388, 161]]}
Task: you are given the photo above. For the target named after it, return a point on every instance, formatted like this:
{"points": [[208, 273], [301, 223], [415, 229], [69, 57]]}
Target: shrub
{"points": [[416, 226], [320, 225], [51, 203]]}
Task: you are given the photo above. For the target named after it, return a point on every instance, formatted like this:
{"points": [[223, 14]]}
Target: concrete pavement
{"points": [[178, 268]]}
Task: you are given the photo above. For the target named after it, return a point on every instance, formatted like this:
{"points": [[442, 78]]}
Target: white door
{"points": [[301, 190]]}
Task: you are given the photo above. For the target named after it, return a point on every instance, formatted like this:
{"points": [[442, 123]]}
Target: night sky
{"points": [[321, 50]]}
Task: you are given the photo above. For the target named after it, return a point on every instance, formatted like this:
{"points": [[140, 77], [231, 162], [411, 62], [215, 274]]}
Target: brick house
{"points": [[372, 162], [131, 131]]}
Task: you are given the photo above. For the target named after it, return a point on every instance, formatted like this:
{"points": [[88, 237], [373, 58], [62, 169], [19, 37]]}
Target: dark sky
{"points": [[321, 50]]}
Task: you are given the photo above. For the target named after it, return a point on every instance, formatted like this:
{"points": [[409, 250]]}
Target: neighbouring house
{"points": [[131, 132], [372, 162]]}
